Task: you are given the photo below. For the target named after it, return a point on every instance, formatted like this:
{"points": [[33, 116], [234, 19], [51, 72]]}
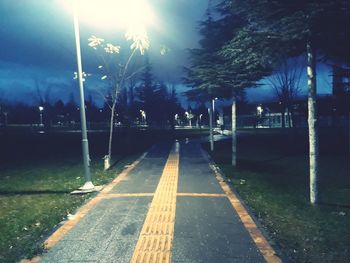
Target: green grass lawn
{"points": [[37, 174], [272, 179], [35, 199]]}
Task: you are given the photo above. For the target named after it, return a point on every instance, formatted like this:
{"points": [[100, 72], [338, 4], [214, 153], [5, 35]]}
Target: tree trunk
{"points": [[234, 132], [312, 123], [107, 158], [210, 110]]}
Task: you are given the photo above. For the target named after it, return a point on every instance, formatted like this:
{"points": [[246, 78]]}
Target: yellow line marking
{"points": [[201, 195], [69, 224], [260, 241], [263, 245], [127, 195], [155, 241], [116, 195]]}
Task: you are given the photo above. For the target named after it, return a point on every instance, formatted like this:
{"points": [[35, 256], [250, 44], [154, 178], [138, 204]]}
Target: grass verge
{"points": [[35, 199], [272, 179]]}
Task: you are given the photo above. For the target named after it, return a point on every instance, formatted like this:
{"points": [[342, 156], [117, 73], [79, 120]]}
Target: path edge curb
{"points": [[61, 231], [272, 254]]}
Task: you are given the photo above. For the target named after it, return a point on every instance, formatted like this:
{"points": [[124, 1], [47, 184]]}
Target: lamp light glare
{"points": [[121, 14]]}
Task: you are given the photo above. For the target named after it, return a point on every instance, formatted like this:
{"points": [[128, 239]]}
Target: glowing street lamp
{"points": [[114, 14], [188, 118], [41, 109], [143, 116], [176, 118]]}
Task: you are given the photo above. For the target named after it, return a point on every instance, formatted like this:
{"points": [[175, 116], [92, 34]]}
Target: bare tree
{"points": [[43, 90], [286, 84], [116, 70]]}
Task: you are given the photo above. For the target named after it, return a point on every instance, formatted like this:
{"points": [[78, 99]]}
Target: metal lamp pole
{"points": [[214, 117], [88, 186], [211, 135]]}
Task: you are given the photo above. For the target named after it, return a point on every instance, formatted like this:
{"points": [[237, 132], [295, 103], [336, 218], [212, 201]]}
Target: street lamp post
{"points": [[187, 117], [176, 117], [5, 120], [214, 118], [143, 117], [88, 186], [211, 112], [41, 109]]}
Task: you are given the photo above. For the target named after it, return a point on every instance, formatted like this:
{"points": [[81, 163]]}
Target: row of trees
{"points": [[251, 39], [158, 101]]}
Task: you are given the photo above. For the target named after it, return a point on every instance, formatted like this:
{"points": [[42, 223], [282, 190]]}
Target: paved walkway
{"points": [[170, 207]]}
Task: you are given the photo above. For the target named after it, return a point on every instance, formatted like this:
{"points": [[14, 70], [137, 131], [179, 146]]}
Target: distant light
{"points": [[121, 14], [143, 113], [41, 108]]}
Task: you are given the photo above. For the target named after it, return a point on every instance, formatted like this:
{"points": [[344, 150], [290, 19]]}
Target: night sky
{"points": [[38, 51], [37, 46]]}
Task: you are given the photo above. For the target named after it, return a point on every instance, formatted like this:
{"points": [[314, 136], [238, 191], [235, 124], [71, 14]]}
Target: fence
{"points": [[274, 120]]}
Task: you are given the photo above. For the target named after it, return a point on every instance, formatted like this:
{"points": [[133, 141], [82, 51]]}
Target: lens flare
{"points": [[121, 14]]}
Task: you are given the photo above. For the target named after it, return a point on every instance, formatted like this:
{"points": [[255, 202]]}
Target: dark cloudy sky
{"points": [[37, 47], [37, 44]]}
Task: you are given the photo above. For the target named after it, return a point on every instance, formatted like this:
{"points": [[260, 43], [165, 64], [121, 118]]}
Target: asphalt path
{"points": [[169, 208]]}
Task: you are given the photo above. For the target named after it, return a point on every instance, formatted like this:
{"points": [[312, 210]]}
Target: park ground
{"points": [[272, 179]]}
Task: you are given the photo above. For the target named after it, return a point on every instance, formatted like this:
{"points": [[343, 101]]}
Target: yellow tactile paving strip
{"points": [[155, 241], [260, 241]]}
